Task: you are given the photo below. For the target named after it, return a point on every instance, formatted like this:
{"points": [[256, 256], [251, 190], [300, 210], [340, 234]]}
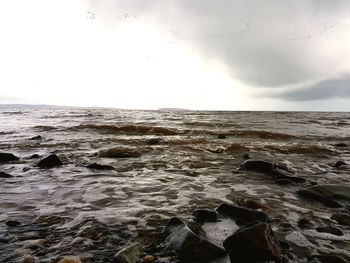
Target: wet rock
{"points": [[341, 144], [247, 156], [204, 215], [252, 244], [13, 223], [282, 174], [7, 157], [119, 152], [129, 254], [339, 163], [70, 260], [329, 194], [283, 182], [97, 166], [34, 156], [304, 223], [148, 259], [245, 214], [28, 259], [249, 203], [342, 219], [330, 230], [26, 169], [5, 175], [222, 136], [189, 243], [49, 162], [37, 138], [329, 258], [259, 166], [154, 141]]}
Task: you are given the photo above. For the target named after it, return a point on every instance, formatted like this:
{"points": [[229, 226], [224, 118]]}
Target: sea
{"points": [[165, 163]]}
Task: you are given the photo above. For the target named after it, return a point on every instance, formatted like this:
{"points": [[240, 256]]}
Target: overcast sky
{"points": [[195, 54]]}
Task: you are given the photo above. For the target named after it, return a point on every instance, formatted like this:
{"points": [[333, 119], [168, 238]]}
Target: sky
{"points": [[193, 54]]}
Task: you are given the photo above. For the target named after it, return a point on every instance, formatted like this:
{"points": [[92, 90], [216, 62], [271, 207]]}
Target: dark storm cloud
{"points": [[269, 43], [331, 88]]}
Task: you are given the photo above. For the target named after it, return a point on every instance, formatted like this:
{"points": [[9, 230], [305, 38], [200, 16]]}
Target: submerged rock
{"points": [[330, 230], [329, 194], [339, 163], [7, 157], [36, 138], [329, 259], [49, 162], [342, 219], [341, 144], [70, 260], [5, 175], [119, 152], [222, 136], [245, 214], [204, 215], [154, 141], [181, 238], [252, 244], [97, 166], [13, 223], [129, 254], [259, 166]]}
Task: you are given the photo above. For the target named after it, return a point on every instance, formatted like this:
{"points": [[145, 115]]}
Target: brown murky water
{"points": [[176, 163]]}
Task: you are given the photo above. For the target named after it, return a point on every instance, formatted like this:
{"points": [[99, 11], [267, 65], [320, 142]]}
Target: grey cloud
{"points": [[280, 47], [326, 89]]}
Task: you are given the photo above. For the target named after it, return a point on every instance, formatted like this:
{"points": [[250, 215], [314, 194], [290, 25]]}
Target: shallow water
{"points": [[188, 168]]}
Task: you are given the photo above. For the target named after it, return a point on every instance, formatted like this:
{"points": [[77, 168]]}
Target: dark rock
{"points": [[252, 244], [247, 156], [129, 254], [5, 175], [34, 156], [283, 182], [36, 138], [259, 166], [49, 162], [329, 194], [282, 174], [330, 230], [339, 163], [154, 141], [329, 258], [245, 214], [204, 215], [341, 144], [342, 219], [222, 136], [7, 157], [188, 243], [119, 152], [13, 223], [97, 166], [26, 169], [304, 223]]}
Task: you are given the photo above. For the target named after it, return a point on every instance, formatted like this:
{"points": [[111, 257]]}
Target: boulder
{"points": [[154, 141], [204, 215], [49, 162], [245, 214], [305, 223], [329, 194], [13, 223], [339, 163], [7, 157], [188, 242], [5, 175], [252, 244], [129, 254], [97, 166], [341, 144], [221, 136]]}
